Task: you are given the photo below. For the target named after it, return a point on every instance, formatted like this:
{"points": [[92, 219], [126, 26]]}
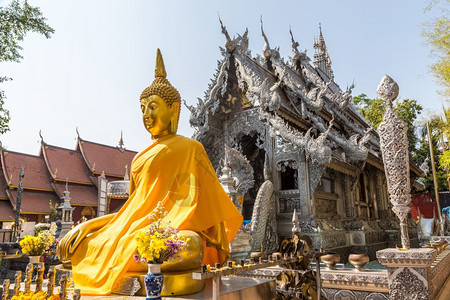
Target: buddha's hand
{"points": [[71, 240], [69, 243]]}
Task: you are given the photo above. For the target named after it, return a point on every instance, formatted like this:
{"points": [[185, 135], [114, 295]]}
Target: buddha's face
{"points": [[156, 115]]}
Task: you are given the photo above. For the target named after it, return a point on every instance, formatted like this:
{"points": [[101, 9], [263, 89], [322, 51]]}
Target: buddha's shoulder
{"points": [[188, 143]]}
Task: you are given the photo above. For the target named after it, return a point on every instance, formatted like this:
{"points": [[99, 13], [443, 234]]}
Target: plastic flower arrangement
{"points": [[36, 245], [160, 241]]}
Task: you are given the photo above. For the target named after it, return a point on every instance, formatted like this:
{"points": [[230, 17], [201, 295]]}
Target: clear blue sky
{"points": [[91, 72]]}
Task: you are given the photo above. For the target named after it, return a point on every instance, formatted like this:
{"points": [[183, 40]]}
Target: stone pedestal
{"points": [[240, 247], [65, 228], [416, 273]]}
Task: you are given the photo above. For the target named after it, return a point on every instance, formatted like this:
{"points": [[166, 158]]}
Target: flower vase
{"points": [[154, 282], [35, 259]]}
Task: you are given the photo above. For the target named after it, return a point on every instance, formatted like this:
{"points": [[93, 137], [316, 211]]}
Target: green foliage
{"points": [[373, 111], [408, 110], [4, 113], [16, 20], [444, 159], [436, 34], [53, 211], [422, 154]]}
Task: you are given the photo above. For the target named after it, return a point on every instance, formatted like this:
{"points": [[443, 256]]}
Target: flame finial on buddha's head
{"points": [[161, 86]]}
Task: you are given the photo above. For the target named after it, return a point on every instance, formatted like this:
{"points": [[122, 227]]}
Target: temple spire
{"points": [[121, 143], [322, 59], [66, 192]]}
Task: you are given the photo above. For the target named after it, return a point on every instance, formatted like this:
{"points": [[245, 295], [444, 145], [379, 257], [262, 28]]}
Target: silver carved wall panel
{"points": [[407, 285]]}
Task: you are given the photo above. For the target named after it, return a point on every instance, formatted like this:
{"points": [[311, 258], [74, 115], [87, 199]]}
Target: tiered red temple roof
{"points": [[79, 195], [6, 211], [3, 187], [46, 175], [33, 202], [65, 164], [36, 176], [98, 158]]}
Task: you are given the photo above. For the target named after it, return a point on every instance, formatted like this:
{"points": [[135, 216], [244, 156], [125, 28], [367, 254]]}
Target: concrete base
{"points": [[231, 288], [416, 273], [175, 284]]}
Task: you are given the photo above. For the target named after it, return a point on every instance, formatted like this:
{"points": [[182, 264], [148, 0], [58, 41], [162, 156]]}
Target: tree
{"points": [[444, 159], [422, 154], [16, 20], [407, 109], [436, 34]]}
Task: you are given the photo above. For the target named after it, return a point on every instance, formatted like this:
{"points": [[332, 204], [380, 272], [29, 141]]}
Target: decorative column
{"points": [[240, 247], [412, 273], [227, 182], [16, 228], [65, 212], [102, 206], [394, 147]]}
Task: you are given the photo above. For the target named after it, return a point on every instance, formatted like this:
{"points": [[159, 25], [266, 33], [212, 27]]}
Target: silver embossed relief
{"points": [[394, 147]]}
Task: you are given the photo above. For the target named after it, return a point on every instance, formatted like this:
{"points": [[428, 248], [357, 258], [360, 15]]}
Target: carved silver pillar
{"points": [[394, 147]]}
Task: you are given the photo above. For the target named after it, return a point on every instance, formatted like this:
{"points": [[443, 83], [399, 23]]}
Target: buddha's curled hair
{"points": [[161, 86]]}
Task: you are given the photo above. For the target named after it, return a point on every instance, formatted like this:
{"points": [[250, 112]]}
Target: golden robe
{"points": [[177, 171]]}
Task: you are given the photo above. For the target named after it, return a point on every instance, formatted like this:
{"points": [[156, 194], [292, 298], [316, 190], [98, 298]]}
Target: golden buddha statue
{"points": [[175, 170]]}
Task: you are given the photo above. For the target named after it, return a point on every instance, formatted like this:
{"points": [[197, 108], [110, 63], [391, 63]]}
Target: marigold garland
{"points": [[35, 296]]}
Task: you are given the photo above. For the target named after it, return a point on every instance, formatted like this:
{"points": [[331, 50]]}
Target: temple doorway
{"points": [[88, 212], [256, 157]]}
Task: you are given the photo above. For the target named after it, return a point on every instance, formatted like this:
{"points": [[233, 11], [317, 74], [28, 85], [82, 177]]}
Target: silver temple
{"points": [[289, 118]]}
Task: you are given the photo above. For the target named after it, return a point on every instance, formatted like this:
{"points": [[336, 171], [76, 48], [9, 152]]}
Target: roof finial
{"points": [[292, 36], [266, 46], [121, 143], [78, 133], [294, 43], [160, 69], [67, 184], [40, 134], [224, 29]]}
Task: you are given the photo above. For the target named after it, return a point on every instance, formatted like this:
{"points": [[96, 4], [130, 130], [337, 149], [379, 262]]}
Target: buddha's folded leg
{"points": [[187, 259]]}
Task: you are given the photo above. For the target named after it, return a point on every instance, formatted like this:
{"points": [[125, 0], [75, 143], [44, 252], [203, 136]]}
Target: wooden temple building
{"points": [[47, 173], [288, 118]]}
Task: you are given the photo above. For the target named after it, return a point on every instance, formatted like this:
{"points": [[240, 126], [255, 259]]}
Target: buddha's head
{"points": [[160, 103]]}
